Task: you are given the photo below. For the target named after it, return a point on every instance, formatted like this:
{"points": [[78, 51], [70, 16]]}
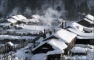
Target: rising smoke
{"points": [[49, 16], [71, 7]]}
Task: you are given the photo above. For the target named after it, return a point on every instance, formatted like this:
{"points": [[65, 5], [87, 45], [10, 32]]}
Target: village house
{"points": [[68, 38], [62, 40], [84, 30], [78, 51], [53, 48], [84, 35]]}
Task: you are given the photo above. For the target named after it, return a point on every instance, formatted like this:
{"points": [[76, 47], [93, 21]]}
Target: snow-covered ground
{"points": [[26, 52], [41, 56], [5, 24], [29, 28], [21, 54], [84, 52], [16, 37]]}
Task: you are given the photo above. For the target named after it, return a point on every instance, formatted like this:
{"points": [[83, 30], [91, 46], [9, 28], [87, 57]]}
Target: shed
{"points": [[9, 44]]}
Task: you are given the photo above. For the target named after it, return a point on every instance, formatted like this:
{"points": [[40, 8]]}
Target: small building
{"points": [[84, 34], [67, 37], [79, 51], [52, 47], [41, 56], [55, 55], [9, 46], [84, 29], [49, 45]]}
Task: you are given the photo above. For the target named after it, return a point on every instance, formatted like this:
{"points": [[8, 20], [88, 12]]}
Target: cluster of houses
{"points": [[64, 41], [48, 42], [56, 45]]}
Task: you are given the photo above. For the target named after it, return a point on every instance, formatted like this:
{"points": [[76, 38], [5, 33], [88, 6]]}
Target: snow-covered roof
{"points": [[77, 26], [16, 18], [34, 27], [55, 52], [40, 56], [56, 44], [5, 24], [76, 57], [33, 20], [86, 37], [90, 17], [35, 16], [80, 27], [12, 20], [15, 37], [91, 22], [85, 46], [78, 50], [10, 43], [65, 35], [82, 35], [19, 17]]}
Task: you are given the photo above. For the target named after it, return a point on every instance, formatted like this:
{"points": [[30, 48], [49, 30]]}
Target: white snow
{"points": [[77, 26], [16, 37], [33, 20], [91, 22], [55, 52], [5, 24], [21, 52], [21, 17], [39, 45], [16, 58], [79, 58], [10, 43], [16, 18], [85, 46], [83, 34], [55, 43], [40, 56], [90, 17], [78, 50], [35, 16], [22, 31], [65, 35], [40, 40], [12, 20], [33, 27], [80, 27]]}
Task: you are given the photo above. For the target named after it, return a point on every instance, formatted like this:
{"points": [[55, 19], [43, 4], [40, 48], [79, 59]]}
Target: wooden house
{"points": [[49, 45], [56, 45], [67, 37], [55, 55]]}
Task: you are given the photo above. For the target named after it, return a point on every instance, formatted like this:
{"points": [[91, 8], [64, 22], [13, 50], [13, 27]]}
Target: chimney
{"points": [[65, 24], [44, 34], [62, 25]]}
